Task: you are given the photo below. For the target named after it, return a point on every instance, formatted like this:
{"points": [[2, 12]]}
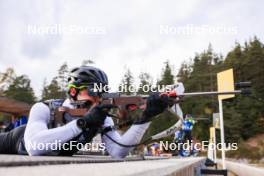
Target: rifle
{"points": [[127, 104]]}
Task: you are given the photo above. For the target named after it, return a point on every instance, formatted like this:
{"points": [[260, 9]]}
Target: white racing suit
{"points": [[37, 132]]}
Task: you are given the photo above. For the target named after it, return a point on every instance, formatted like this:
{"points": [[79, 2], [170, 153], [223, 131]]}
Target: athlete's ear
{"points": [[72, 92]]}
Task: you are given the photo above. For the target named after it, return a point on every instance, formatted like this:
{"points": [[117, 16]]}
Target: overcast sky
{"points": [[37, 37]]}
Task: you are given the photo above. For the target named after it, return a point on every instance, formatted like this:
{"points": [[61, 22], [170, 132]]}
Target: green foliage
{"points": [[145, 80], [243, 116], [16, 87], [62, 77], [20, 89], [6, 79], [52, 91], [56, 89], [167, 77], [126, 86], [184, 72]]}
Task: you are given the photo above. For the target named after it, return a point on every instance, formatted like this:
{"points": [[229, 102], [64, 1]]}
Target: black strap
{"points": [[53, 104]]}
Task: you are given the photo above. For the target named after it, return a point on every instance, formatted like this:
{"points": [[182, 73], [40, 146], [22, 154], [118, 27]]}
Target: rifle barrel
{"points": [[191, 94], [210, 93]]}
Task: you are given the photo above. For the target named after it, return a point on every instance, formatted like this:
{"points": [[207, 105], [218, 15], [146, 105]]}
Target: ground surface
{"points": [[91, 165]]}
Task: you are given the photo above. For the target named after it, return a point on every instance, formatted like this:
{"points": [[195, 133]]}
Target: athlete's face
{"points": [[84, 96]]}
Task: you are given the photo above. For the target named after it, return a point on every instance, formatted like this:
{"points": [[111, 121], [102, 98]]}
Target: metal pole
{"points": [[214, 141], [222, 132]]}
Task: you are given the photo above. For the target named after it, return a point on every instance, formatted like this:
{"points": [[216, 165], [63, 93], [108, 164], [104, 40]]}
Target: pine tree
{"points": [[58, 86], [126, 86], [21, 90], [254, 64], [62, 77], [145, 83], [243, 116], [52, 91], [6, 79], [235, 59], [184, 72], [167, 77], [44, 93]]}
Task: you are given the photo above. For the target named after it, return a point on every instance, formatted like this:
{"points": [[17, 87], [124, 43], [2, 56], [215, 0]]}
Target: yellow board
{"points": [[225, 82]]}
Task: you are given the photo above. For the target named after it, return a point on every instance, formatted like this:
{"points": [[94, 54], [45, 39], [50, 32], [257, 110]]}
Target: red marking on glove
{"points": [[172, 93], [132, 107]]}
